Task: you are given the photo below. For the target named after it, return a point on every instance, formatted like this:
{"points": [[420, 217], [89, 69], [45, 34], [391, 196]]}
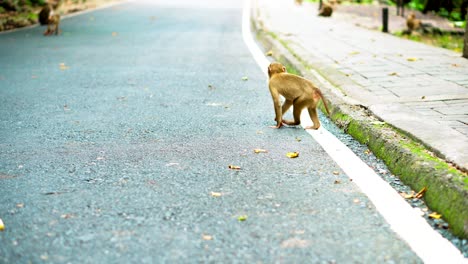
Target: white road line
{"points": [[428, 244]]}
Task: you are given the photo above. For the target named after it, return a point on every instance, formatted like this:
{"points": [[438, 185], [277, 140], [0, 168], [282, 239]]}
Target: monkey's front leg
{"points": [[278, 112], [286, 105]]}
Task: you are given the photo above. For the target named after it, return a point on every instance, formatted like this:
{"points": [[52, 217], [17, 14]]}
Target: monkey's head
{"points": [[274, 68], [412, 15]]}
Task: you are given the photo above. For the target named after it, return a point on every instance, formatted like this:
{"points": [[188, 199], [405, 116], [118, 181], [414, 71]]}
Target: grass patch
{"points": [[446, 41]]}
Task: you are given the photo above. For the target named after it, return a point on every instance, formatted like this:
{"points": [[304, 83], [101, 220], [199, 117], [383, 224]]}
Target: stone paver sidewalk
{"points": [[420, 89]]}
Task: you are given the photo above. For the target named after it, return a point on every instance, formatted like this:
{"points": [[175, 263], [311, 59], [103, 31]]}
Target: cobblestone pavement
{"points": [[420, 89]]}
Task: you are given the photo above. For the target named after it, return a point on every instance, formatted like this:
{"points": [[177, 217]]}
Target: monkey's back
{"points": [[291, 86]]}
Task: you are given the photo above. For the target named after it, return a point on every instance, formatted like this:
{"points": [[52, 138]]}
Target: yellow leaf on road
{"points": [[242, 218], [412, 59], [245, 78], [2, 226], [234, 167], [292, 155], [63, 66], [207, 237], [260, 150], [408, 195], [216, 194], [435, 215], [269, 53]]}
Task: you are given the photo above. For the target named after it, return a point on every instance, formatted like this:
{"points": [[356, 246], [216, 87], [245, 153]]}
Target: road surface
{"points": [[115, 142]]}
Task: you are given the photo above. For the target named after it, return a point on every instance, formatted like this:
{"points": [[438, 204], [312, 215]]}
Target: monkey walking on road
{"points": [[47, 17], [297, 91], [327, 8]]}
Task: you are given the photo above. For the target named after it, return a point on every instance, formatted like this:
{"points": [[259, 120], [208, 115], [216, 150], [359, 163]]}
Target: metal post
{"points": [[385, 19]]}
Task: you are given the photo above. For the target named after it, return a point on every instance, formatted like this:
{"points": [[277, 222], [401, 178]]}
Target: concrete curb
{"points": [[416, 166]]}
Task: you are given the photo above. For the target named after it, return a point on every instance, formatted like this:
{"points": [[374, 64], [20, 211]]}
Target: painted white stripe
{"points": [[428, 244], [249, 41]]}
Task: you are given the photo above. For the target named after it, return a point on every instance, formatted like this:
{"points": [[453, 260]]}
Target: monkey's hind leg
{"points": [[314, 117]]}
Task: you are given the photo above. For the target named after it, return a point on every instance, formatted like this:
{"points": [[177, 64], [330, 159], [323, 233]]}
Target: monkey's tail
{"points": [[323, 100]]}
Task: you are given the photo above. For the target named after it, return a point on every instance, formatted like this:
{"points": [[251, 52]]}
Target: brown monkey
{"points": [[326, 10], [53, 26], [45, 14], [47, 17], [297, 91], [412, 22]]}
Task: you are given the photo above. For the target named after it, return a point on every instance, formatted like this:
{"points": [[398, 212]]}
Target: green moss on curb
{"points": [[415, 165]]}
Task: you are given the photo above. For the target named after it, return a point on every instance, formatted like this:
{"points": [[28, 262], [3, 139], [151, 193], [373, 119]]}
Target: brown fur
{"points": [[47, 17], [326, 10], [297, 91], [412, 22]]}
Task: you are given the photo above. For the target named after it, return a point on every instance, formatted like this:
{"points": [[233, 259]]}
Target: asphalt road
{"points": [[114, 134]]}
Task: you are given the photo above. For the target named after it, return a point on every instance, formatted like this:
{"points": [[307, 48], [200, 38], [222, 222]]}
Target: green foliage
{"points": [[38, 2], [417, 4], [447, 41]]}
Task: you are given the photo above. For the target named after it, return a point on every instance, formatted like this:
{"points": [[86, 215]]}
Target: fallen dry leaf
{"points": [[298, 139], [292, 155], [423, 97], [260, 151], [234, 167], [412, 59], [269, 53], [242, 218], [354, 53], [435, 215], [337, 182], [66, 216], [20, 205], [2, 226], [336, 172], [393, 74], [245, 78], [114, 34], [367, 152], [207, 237], [420, 194], [295, 243], [408, 195], [63, 66], [216, 194], [356, 200]]}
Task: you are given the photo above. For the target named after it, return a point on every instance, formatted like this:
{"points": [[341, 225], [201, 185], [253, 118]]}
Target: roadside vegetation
{"points": [[22, 13]]}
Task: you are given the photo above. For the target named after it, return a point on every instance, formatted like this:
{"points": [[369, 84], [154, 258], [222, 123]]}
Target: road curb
{"points": [[411, 161]]}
